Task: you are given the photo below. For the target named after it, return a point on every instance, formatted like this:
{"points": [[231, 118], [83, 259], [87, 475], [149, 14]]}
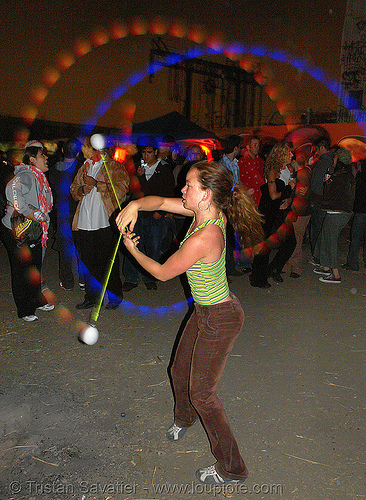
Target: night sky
{"points": [[35, 34]]}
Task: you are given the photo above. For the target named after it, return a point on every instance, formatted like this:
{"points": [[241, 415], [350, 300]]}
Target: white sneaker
{"points": [[321, 270], [46, 307], [209, 475], [330, 279], [175, 433], [31, 317]]}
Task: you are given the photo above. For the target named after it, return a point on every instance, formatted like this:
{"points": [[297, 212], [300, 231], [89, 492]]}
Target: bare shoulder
{"points": [[212, 230], [205, 245], [208, 238]]}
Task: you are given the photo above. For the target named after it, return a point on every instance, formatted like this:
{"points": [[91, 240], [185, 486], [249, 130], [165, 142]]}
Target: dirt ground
{"points": [[88, 422]]}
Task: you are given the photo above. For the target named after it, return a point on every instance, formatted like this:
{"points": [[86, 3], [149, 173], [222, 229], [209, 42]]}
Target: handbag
{"points": [[25, 230]]}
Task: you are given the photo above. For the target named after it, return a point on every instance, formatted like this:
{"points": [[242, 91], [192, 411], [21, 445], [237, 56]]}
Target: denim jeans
{"points": [[199, 362], [150, 231], [358, 235]]}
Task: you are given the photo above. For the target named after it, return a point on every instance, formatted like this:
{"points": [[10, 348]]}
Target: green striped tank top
{"points": [[208, 282]]}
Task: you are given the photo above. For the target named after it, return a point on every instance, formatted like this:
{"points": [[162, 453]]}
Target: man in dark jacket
{"points": [[338, 199], [322, 166], [156, 178]]}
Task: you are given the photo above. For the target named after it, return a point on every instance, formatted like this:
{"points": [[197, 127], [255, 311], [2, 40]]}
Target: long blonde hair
{"points": [[233, 200], [276, 158]]}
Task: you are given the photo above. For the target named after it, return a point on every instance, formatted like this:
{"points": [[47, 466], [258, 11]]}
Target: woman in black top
{"points": [[276, 198]]}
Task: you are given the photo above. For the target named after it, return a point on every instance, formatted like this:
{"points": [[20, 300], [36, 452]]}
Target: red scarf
{"points": [[42, 200]]}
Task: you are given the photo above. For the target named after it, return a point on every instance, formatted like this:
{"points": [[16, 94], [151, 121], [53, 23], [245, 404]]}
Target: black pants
{"points": [[286, 249], [25, 265], [97, 249], [261, 268]]}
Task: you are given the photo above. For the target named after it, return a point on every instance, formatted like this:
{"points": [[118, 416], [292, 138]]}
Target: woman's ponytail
{"points": [[245, 218]]}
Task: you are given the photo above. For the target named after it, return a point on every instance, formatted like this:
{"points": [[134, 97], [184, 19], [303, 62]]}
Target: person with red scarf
{"points": [[28, 193]]}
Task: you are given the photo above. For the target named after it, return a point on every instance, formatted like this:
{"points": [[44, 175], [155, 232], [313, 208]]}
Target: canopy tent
{"points": [[173, 124]]}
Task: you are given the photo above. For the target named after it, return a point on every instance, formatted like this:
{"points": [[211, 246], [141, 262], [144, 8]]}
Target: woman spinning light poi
{"points": [[218, 317]]}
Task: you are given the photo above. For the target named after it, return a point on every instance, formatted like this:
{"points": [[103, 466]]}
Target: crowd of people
{"points": [[242, 212], [309, 192]]}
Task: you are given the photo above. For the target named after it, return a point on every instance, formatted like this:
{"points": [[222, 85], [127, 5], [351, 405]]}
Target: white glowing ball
{"points": [[353, 291], [98, 141], [89, 335]]}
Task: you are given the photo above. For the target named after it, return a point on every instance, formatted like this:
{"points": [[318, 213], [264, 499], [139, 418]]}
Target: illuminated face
{"points": [[40, 161], [195, 154], [149, 155], [254, 147], [192, 192], [87, 151]]}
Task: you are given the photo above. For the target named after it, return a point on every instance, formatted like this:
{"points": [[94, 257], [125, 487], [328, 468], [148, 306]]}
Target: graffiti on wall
{"points": [[353, 64]]}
